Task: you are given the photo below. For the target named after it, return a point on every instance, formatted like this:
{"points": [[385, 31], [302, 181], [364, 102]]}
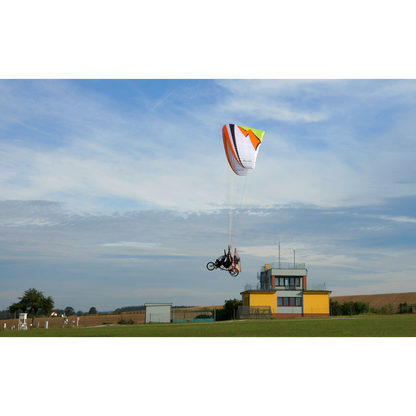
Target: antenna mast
{"points": [[279, 253], [294, 251]]}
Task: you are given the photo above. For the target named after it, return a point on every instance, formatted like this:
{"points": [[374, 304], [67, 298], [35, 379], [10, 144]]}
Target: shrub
{"points": [[122, 321], [203, 317]]}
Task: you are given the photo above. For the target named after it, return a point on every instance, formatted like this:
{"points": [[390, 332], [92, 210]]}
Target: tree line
{"points": [[35, 304], [142, 308], [357, 308], [337, 309]]}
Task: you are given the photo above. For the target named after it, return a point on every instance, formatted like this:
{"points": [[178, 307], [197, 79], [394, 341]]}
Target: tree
{"points": [[229, 305], [31, 302], [405, 308], [335, 307], [229, 310], [361, 307], [387, 309], [69, 310], [48, 305], [93, 311], [348, 308]]}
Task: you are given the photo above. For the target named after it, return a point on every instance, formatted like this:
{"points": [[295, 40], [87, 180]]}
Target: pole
{"points": [[294, 249], [279, 254]]}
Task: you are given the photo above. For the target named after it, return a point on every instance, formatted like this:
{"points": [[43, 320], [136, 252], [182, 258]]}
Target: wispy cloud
{"points": [[131, 244], [104, 153]]}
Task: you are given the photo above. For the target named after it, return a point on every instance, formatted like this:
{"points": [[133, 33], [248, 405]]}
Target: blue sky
{"points": [[113, 191]]}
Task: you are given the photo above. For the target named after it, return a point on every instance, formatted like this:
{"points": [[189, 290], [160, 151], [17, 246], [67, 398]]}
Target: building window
{"points": [[295, 281], [287, 281], [289, 301]]}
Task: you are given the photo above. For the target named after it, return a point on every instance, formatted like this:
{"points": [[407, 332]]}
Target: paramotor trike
{"points": [[233, 268]]}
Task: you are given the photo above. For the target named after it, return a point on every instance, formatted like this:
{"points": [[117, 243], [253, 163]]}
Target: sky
{"points": [[114, 191]]}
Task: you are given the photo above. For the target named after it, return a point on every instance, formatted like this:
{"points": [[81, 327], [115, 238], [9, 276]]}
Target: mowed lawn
{"points": [[355, 326]]}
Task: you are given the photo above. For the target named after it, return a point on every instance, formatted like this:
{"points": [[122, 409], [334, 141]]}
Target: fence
{"points": [[287, 265], [317, 287], [254, 312], [136, 317], [252, 286], [309, 287], [284, 265], [189, 315]]}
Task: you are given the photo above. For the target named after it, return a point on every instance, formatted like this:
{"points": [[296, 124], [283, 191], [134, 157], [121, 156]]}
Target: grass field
{"points": [[355, 326]]}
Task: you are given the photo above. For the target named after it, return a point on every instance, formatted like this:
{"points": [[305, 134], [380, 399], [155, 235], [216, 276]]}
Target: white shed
{"points": [[22, 325], [157, 312]]}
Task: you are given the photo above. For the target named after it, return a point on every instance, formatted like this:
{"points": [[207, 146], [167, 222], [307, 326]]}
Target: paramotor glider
{"points": [[241, 145]]}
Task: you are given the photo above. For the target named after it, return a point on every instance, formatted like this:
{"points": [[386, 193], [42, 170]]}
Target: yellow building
{"points": [[316, 303], [285, 291], [260, 298]]}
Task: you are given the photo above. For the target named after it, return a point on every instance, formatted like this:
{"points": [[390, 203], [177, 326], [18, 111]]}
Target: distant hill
{"points": [[378, 301], [129, 309]]}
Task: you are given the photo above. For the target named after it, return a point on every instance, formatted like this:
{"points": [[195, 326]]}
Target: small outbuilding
{"points": [[157, 312], [22, 321]]}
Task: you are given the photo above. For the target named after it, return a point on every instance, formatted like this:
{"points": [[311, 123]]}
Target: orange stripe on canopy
{"points": [[255, 141], [227, 141]]}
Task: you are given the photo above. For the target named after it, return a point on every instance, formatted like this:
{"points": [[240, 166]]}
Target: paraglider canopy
{"points": [[241, 145]]}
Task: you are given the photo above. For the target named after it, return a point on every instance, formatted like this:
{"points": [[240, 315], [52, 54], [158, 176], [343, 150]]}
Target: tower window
{"points": [[289, 301]]}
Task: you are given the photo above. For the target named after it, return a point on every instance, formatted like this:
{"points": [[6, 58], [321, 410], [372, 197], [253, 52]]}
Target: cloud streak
{"points": [[161, 101]]}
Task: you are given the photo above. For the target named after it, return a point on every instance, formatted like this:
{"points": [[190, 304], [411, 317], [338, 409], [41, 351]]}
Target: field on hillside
{"points": [[354, 326], [378, 301]]}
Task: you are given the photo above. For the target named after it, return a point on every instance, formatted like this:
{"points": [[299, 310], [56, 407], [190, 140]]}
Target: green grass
{"points": [[356, 326]]}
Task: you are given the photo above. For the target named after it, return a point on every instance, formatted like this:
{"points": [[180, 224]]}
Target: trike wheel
{"points": [[234, 273], [210, 266]]}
